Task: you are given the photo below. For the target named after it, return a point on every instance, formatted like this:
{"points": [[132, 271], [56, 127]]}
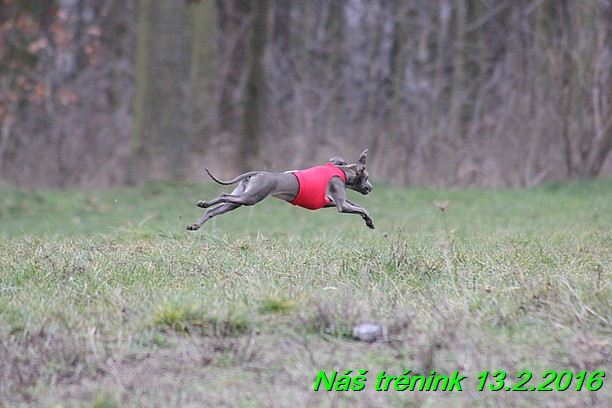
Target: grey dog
{"points": [[318, 187]]}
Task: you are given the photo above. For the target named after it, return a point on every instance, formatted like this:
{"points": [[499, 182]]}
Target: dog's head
{"points": [[356, 174]]}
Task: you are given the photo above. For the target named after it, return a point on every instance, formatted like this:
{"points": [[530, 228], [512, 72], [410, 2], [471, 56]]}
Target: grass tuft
{"points": [[184, 316], [178, 315], [280, 305]]}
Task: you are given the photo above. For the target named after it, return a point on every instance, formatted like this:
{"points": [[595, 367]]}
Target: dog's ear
{"points": [[337, 161], [361, 163]]}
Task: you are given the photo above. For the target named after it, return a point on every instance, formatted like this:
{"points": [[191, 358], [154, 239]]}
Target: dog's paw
{"points": [[193, 227], [202, 204], [370, 223]]}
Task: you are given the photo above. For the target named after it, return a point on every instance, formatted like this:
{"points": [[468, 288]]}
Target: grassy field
{"points": [[106, 301]]}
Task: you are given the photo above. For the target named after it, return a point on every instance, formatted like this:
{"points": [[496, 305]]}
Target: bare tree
{"points": [[65, 91], [253, 117], [159, 133]]}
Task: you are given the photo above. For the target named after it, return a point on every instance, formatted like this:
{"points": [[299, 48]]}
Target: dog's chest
{"points": [[313, 183]]}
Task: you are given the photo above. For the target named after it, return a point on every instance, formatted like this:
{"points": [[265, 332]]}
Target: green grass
{"points": [[106, 301]]}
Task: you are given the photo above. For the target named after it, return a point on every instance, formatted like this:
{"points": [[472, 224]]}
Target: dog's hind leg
{"points": [[249, 192], [213, 212]]}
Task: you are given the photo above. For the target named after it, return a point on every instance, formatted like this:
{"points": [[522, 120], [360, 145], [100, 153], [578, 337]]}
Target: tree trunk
{"points": [[251, 134], [201, 18], [159, 134]]}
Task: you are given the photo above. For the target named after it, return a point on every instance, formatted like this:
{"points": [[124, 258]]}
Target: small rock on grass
{"points": [[369, 332]]}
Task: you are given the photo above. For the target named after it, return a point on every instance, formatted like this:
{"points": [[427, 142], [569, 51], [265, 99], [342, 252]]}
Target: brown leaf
{"points": [[67, 97], [94, 31], [38, 45]]}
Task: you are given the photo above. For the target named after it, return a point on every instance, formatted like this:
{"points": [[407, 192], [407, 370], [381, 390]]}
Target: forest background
{"points": [[445, 93]]}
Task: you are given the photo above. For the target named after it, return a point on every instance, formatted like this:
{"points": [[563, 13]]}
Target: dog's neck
{"points": [[349, 173]]}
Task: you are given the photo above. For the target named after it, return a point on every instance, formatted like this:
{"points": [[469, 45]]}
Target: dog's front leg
{"points": [[352, 208], [338, 196]]}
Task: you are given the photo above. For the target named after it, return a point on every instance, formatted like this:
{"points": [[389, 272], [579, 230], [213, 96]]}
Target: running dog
{"points": [[314, 188]]}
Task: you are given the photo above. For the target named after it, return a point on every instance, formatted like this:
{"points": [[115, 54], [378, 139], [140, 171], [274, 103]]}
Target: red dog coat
{"points": [[313, 183]]}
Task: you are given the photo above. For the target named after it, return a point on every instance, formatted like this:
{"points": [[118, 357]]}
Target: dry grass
{"points": [[149, 317]]}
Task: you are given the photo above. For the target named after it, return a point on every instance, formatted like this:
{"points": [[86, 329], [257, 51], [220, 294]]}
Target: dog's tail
{"points": [[233, 181]]}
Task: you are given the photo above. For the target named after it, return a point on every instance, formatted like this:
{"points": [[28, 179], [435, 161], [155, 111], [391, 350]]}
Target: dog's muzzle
{"points": [[366, 190]]}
